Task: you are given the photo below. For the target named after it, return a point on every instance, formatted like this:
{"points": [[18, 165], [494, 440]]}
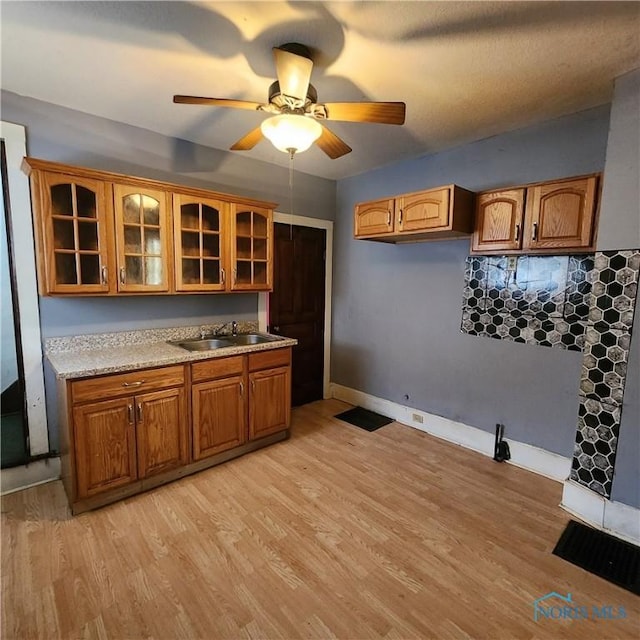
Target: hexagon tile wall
{"points": [[581, 303]]}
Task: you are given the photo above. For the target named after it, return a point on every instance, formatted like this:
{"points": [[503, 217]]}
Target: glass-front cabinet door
{"points": [[75, 235], [251, 242], [141, 232], [200, 251]]}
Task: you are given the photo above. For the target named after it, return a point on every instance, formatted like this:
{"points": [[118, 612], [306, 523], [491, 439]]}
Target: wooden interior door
{"points": [[296, 305]]}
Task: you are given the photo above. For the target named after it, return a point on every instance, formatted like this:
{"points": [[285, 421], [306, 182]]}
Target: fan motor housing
{"points": [[276, 96]]}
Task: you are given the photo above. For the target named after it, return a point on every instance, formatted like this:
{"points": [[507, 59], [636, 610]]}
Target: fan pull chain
{"points": [[291, 154]]}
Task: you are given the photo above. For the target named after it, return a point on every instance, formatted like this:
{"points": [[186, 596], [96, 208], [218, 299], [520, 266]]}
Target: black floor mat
{"points": [[363, 418], [610, 558]]}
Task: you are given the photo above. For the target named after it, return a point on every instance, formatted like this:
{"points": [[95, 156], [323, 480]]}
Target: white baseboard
{"points": [[30, 475], [526, 456], [616, 518]]}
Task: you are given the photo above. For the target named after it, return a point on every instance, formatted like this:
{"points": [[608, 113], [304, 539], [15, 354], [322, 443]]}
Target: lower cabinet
{"points": [[129, 432]]}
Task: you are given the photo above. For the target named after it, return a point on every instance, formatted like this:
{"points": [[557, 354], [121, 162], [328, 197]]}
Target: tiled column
{"points": [[608, 336]]}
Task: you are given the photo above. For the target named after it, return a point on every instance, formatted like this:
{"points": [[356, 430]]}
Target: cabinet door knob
{"points": [[517, 232], [535, 231]]}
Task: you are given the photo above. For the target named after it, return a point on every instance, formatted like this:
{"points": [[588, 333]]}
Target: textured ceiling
{"points": [[466, 70]]}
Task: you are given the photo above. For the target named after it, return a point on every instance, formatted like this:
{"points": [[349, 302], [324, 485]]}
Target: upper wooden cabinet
{"points": [[105, 233], [73, 238], [550, 217], [435, 214], [251, 247], [200, 231], [141, 238]]}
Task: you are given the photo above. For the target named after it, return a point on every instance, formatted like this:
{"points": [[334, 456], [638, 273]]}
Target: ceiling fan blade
{"points": [[333, 146], [382, 112], [249, 141], [294, 73], [217, 102]]}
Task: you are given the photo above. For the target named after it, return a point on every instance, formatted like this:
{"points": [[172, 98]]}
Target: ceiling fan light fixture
{"points": [[291, 132]]}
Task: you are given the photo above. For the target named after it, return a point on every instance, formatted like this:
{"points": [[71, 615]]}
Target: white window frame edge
{"points": [[263, 298], [14, 137]]}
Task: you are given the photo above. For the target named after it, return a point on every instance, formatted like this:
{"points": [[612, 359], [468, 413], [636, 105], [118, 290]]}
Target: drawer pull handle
{"points": [[103, 272], [139, 411], [235, 276], [133, 384], [242, 389], [253, 385], [388, 218], [535, 231], [517, 232], [130, 412], [123, 275], [400, 217], [222, 276]]}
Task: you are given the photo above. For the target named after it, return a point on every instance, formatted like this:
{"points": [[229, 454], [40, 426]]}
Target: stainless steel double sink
{"points": [[220, 342]]}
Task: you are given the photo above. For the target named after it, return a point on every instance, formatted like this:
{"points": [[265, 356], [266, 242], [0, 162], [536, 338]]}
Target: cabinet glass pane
{"points": [[243, 223], [152, 241], [133, 267], [260, 249], [189, 216], [243, 248], [259, 272], [151, 209], [211, 245], [132, 239], [211, 271], [131, 208], [90, 268], [191, 271], [210, 218], [85, 202], [259, 226], [243, 273], [66, 268], [190, 243], [153, 270], [63, 234], [87, 236], [61, 200]]}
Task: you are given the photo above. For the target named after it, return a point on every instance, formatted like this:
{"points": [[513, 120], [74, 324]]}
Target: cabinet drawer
{"points": [[269, 359], [124, 384], [217, 368]]}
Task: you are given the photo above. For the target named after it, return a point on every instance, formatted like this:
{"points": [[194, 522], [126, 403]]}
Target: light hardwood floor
{"points": [[334, 533]]}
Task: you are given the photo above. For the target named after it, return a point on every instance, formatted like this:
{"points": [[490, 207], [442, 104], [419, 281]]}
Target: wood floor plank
{"points": [[334, 533]]}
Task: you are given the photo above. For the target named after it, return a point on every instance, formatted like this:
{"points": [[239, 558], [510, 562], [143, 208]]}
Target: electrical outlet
{"points": [[418, 418], [512, 262]]}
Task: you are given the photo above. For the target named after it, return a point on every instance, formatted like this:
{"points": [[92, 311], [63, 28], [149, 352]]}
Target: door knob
{"points": [[276, 328]]}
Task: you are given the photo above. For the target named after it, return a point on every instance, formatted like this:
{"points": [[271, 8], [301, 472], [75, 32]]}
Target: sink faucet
{"points": [[203, 332], [220, 330], [234, 328]]}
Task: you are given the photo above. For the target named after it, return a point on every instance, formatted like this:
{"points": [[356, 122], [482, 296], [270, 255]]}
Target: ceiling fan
{"points": [[296, 112]]}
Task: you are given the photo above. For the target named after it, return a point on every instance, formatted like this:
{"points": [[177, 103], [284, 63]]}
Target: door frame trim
{"points": [[263, 298], [26, 287]]}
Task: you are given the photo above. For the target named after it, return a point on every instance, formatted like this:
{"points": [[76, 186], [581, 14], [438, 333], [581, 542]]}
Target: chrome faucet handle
{"points": [[203, 332], [234, 328]]}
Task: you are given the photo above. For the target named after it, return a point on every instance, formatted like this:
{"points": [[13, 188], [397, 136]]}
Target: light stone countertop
{"points": [[118, 358]]}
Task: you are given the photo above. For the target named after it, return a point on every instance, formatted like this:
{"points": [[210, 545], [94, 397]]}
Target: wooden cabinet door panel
{"points": [[74, 221], [560, 214], [219, 416], [270, 403], [161, 431], [498, 225], [251, 245], [200, 243], [105, 448], [374, 218], [423, 211], [142, 238]]}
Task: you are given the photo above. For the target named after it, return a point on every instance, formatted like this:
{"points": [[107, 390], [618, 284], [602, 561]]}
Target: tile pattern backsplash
{"points": [[542, 300], [581, 303], [614, 285]]}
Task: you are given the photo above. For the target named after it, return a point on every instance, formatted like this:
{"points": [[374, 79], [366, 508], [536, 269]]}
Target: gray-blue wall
{"points": [[620, 229], [397, 308]]}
